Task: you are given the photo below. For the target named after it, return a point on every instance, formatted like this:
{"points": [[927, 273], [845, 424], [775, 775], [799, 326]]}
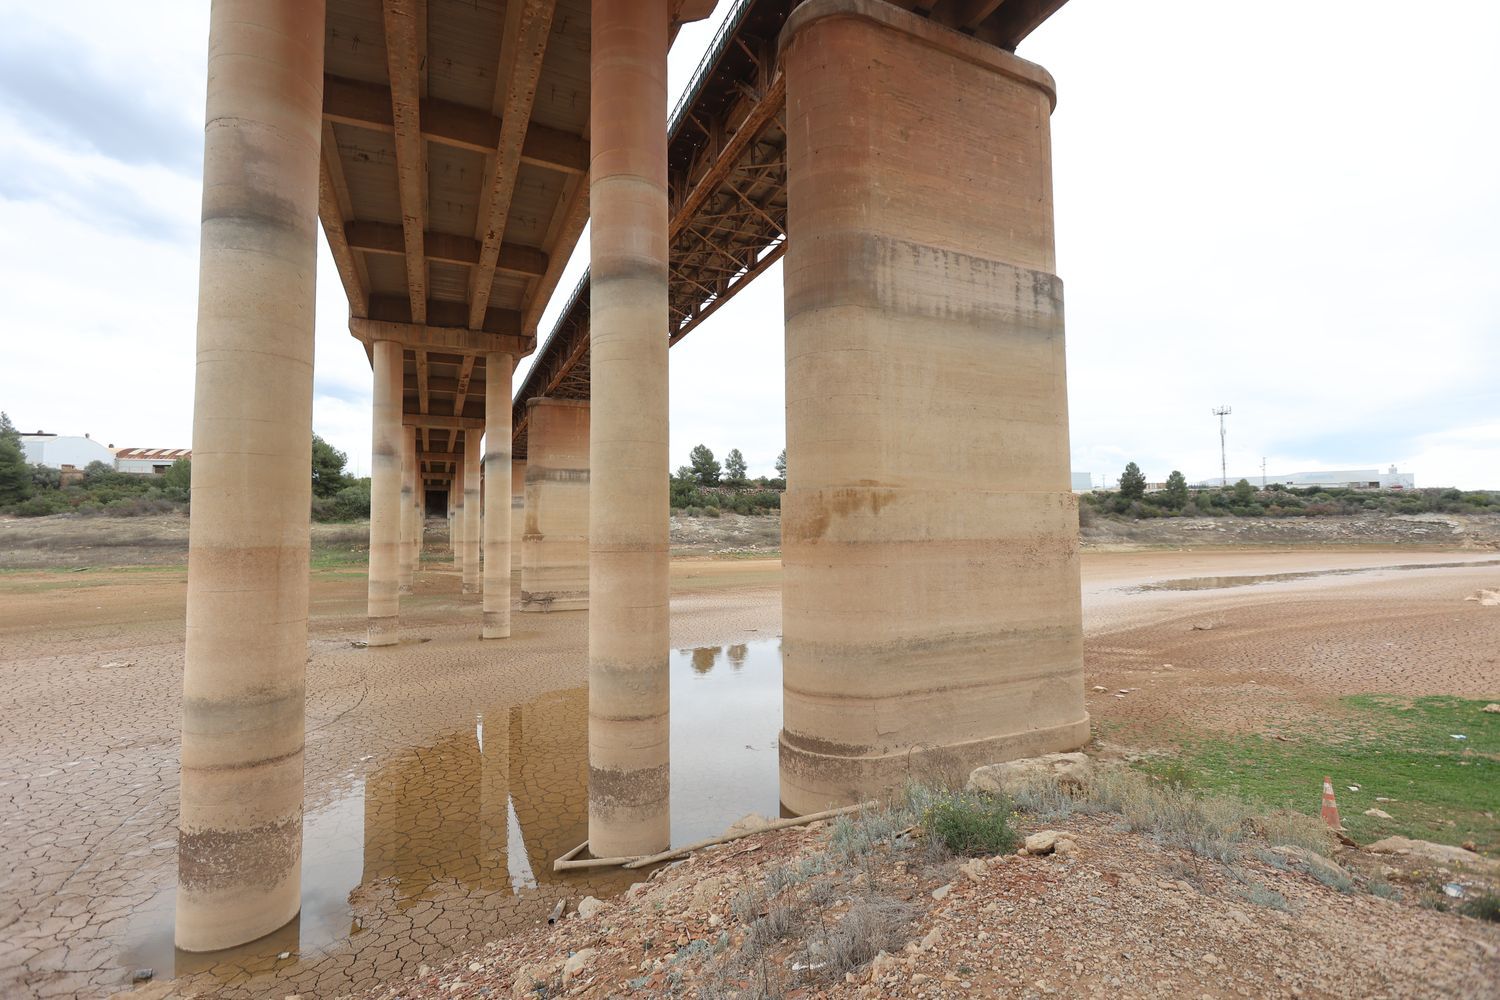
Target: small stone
{"points": [[576, 963], [589, 907], [1100, 688], [1378, 813], [1492, 708], [942, 891], [283, 955], [1064, 846], [1210, 959], [423, 970], [974, 869], [476, 967], [1043, 841], [142, 975], [931, 940]]}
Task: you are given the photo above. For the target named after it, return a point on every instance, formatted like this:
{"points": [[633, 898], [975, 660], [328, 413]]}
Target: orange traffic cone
{"points": [[1330, 807]]}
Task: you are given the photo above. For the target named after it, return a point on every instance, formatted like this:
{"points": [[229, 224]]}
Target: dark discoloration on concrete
{"points": [[220, 861]]}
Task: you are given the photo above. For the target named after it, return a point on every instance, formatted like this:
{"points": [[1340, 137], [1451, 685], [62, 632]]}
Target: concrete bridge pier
{"points": [[498, 368], [473, 510], [517, 511], [456, 516], [386, 506], [931, 600], [408, 507], [240, 825], [555, 544], [628, 506]]}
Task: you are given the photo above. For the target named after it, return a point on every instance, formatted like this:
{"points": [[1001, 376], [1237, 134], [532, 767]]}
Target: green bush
{"points": [[42, 504], [971, 824], [351, 503]]}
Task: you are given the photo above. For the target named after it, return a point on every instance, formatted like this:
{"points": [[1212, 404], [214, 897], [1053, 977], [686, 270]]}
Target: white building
{"points": [[1356, 479], [1083, 482], [58, 450], [149, 461]]}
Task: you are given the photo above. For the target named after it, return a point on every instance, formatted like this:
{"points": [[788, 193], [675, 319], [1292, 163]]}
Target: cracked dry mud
{"points": [[425, 760]]}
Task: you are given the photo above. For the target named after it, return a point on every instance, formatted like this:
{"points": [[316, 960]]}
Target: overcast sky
{"points": [[1290, 207]]}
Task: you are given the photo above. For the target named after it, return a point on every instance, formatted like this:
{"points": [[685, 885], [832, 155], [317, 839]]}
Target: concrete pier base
{"points": [[555, 543], [386, 507], [497, 495], [628, 511], [239, 848], [931, 600]]}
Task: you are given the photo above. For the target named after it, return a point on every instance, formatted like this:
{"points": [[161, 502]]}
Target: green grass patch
{"points": [[1401, 749]]}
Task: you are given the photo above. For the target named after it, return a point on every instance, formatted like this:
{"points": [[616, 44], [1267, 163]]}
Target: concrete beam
{"points": [[405, 31], [446, 339], [450, 248], [442, 421], [368, 106], [528, 23], [444, 313]]}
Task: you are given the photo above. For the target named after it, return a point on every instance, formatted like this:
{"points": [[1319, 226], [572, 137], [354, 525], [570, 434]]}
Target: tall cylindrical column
{"points": [[555, 544], [456, 514], [385, 496], [628, 507], [408, 506], [517, 510], [473, 509], [931, 617], [497, 372], [239, 848]]}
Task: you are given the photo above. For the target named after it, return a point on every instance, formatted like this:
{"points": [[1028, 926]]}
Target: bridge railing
{"points": [[710, 56], [727, 29]]}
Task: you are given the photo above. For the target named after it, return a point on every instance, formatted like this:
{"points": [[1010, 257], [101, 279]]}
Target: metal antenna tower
{"points": [[1221, 412]]}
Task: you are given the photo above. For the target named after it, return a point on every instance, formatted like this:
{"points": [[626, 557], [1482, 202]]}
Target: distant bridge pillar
{"points": [[473, 462], [409, 524], [456, 514], [931, 601], [555, 543], [498, 368], [239, 848], [387, 436], [628, 512], [517, 510]]}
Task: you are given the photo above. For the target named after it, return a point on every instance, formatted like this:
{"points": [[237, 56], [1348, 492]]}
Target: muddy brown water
{"points": [[482, 812]]}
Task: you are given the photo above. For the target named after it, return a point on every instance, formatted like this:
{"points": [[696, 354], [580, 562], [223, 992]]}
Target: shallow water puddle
{"points": [[1223, 582], [452, 842]]}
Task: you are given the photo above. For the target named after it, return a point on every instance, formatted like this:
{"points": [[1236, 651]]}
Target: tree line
{"points": [[1243, 499], [36, 490], [705, 488]]}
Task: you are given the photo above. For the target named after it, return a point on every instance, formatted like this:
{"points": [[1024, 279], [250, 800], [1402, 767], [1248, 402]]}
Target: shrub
{"points": [[1261, 895], [869, 927], [971, 824], [1294, 829], [41, 505], [1482, 907]]}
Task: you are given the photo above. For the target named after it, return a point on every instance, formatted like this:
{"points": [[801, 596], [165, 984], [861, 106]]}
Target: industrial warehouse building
{"points": [[1355, 479], [64, 451]]}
